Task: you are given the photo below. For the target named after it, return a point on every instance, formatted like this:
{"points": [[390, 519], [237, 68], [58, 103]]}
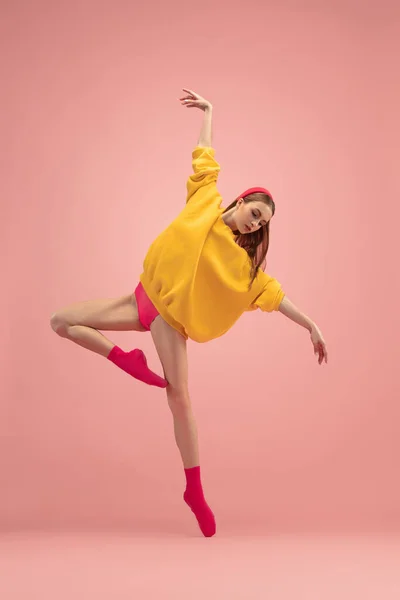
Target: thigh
{"points": [[172, 350], [113, 314]]}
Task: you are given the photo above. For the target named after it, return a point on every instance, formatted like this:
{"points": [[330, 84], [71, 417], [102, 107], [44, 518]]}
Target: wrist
{"points": [[310, 325]]}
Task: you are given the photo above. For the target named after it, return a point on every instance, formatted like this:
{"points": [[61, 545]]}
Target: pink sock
{"points": [[135, 363], [194, 498]]}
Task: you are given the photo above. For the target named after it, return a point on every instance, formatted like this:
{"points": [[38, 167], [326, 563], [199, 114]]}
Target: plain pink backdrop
{"points": [[95, 153]]}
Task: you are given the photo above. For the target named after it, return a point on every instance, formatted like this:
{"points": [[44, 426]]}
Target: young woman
{"points": [[200, 275]]}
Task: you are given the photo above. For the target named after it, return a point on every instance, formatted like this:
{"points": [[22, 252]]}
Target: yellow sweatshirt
{"points": [[194, 272]]}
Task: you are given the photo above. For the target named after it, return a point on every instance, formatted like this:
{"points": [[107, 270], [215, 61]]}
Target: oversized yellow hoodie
{"points": [[194, 272]]}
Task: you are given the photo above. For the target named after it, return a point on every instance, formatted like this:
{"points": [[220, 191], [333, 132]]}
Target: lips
{"points": [[247, 228]]}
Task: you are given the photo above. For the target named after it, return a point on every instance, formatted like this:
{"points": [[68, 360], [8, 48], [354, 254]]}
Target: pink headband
{"points": [[255, 190]]}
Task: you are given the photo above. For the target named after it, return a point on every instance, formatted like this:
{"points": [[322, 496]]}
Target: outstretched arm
{"points": [[291, 311], [193, 100]]}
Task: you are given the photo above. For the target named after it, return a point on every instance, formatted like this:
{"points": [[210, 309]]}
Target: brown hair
{"points": [[256, 243]]}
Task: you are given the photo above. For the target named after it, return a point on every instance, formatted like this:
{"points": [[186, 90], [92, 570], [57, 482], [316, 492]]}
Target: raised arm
{"points": [[193, 100], [201, 185], [291, 311]]}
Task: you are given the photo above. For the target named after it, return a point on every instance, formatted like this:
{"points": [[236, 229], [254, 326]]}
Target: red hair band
{"points": [[255, 190]]}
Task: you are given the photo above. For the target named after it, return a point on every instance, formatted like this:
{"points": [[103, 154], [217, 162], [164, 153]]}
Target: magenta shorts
{"points": [[146, 309]]}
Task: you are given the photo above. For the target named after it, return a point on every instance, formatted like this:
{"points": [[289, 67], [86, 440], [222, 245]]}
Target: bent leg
{"points": [[80, 323]]}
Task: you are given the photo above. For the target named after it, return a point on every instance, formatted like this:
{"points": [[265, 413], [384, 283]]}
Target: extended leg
{"points": [[171, 348]]}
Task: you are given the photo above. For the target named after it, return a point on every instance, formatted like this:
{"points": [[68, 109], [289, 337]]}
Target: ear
{"points": [[239, 202]]}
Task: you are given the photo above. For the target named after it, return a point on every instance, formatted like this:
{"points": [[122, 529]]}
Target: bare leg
{"points": [[171, 348], [79, 322]]}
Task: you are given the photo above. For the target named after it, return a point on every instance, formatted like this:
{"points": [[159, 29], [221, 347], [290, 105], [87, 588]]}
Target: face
{"points": [[250, 216]]}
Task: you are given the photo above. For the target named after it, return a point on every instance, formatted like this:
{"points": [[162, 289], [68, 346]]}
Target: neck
{"points": [[228, 219]]}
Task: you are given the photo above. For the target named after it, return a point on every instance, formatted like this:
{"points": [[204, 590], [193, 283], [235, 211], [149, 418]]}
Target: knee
{"points": [[178, 398], [58, 324]]}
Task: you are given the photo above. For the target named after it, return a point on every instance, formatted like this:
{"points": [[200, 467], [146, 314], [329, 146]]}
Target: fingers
{"points": [[190, 92], [192, 100], [189, 103], [188, 98], [321, 351], [323, 355]]}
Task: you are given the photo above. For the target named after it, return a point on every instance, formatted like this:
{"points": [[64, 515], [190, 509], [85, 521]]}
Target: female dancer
{"points": [[200, 275]]}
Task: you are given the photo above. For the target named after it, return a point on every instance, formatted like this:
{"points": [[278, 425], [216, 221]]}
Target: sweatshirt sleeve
{"points": [[271, 296], [205, 172]]}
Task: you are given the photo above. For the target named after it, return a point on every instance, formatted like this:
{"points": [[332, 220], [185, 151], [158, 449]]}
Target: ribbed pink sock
{"points": [[135, 363], [194, 498]]}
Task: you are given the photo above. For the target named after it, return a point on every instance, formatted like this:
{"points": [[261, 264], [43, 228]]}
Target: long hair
{"points": [[256, 243]]}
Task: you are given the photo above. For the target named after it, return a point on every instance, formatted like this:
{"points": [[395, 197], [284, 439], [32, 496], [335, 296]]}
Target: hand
{"points": [[193, 100], [319, 344]]}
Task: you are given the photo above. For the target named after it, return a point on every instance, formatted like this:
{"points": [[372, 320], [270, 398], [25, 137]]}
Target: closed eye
{"points": [[257, 215]]}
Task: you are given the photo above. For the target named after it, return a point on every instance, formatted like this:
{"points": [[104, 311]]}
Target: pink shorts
{"points": [[146, 309]]}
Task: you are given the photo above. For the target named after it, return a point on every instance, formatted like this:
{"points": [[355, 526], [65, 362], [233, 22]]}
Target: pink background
{"points": [[95, 153]]}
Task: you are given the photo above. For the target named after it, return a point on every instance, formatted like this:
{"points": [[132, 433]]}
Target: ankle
{"points": [[115, 351], [193, 479]]}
